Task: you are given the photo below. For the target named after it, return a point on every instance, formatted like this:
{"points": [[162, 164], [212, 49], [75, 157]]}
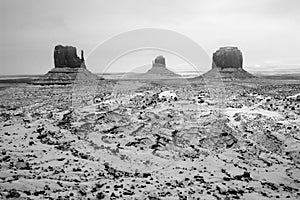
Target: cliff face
{"points": [[228, 57], [159, 61], [227, 64], [66, 56]]}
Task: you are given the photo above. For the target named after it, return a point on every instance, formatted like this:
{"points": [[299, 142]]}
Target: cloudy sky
{"points": [[267, 31]]}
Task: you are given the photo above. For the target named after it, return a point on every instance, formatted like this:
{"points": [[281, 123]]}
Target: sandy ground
{"points": [[123, 140]]}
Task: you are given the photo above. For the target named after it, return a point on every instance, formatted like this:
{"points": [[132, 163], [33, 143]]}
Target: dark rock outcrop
{"points": [[68, 67], [228, 57], [159, 61], [227, 64], [66, 56]]}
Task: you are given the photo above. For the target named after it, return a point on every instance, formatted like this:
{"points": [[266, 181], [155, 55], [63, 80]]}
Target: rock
{"points": [[226, 178], [167, 95], [22, 165], [246, 175], [232, 191], [37, 193], [159, 68], [13, 194], [146, 175], [221, 189], [295, 97], [68, 67], [100, 195], [159, 61], [227, 64], [227, 57], [157, 71], [128, 192], [243, 177], [66, 56]]}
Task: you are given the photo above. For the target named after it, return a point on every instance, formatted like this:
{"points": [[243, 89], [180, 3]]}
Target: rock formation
{"points": [[157, 71], [66, 56], [228, 64], [228, 57], [68, 67], [159, 67], [159, 61]]}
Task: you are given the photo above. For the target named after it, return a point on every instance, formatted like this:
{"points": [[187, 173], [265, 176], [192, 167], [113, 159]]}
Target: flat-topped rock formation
{"points": [[67, 67], [66, 56], [227, 64], [159, 67], [159, 61], [157, 71]]}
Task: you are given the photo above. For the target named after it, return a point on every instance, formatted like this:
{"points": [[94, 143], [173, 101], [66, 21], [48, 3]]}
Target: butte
{"points": [[158, 71], [68, 67], [227, 64]]}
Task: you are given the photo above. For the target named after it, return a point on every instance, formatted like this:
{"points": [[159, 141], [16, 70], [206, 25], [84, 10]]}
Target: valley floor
{"points": [[128, 140]]}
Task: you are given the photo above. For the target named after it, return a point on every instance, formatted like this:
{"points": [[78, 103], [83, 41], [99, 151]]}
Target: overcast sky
{"points": [[267, 31]]}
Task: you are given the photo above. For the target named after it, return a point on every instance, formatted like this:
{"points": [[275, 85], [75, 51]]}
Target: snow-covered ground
{"points": [[133, 144]]}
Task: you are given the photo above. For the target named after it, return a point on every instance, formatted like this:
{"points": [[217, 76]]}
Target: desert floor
{"points": [[124, 140]]}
